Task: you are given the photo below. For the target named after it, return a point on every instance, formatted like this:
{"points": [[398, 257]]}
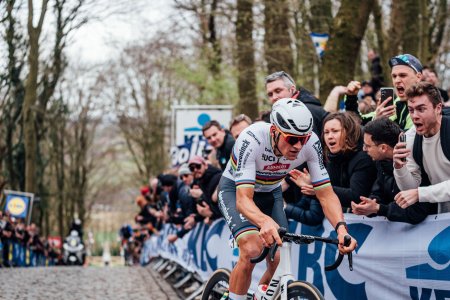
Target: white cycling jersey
{"points": [[254, 164]]}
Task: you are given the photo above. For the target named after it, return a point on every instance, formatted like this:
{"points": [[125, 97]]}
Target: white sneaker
{"points": [[192, 288]]}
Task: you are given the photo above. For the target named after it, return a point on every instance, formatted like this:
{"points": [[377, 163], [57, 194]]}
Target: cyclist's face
{"points": [[287, 150], [332, 134], [277, 90], [214, 136]]}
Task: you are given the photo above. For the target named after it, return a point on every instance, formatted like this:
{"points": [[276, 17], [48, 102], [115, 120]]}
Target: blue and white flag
{"points": [[320, 42]]}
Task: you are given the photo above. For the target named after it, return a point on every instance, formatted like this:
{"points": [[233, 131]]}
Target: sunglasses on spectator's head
{"points": [[292, 139], [193, 167]]}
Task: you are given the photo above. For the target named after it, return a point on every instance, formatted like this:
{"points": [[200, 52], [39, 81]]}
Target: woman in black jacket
{"points": [[352, 172]]}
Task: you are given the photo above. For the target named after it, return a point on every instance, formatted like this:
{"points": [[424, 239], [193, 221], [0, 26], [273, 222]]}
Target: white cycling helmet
{"points": [[291, 116]]}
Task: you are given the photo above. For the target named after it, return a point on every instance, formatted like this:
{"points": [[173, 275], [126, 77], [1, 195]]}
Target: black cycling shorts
{"points": [[270, 203]]}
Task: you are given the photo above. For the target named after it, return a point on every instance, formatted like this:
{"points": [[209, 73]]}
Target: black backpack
{"points": [[445, 143]]}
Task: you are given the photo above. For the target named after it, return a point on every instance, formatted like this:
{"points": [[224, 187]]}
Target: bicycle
{"points": [[282, 285]]}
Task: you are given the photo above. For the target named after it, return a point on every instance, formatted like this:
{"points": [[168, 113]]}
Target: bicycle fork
{"points": [[280, 279]]}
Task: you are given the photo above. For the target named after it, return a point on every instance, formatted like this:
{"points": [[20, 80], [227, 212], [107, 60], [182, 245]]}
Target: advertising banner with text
{"points": [[393, 260]]}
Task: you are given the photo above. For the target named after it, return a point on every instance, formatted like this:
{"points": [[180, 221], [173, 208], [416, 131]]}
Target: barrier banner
{"points": [[393, 260]]}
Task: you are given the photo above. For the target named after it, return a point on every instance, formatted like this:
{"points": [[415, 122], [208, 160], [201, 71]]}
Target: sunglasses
{"points": [[184, 176], [294, 139], [194, 167]]}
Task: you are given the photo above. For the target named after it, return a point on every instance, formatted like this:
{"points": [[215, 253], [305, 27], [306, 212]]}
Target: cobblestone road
{"points": [[83, 283]]}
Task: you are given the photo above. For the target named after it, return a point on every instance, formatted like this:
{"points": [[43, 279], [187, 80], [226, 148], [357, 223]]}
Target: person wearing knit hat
{"points": [[185, 174]]}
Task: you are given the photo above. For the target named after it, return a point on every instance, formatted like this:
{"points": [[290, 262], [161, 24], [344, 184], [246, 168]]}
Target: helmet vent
{"points": [[306, 130], [281, 122]]}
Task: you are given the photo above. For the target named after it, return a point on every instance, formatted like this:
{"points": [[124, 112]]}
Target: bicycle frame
{"points": [[281, 278]]}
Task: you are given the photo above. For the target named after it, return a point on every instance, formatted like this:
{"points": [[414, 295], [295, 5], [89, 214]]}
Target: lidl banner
{"points": [[18, 203], [187, 123], [393, 260]]}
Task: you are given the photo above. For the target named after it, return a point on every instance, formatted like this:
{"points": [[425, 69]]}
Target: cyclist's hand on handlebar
{"points": [[269, 233], [346, 249]]}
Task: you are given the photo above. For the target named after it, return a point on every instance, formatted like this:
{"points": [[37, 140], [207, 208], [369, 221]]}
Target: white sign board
{"points": [[187, 123]]}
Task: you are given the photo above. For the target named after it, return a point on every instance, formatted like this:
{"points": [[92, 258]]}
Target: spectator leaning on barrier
{"points": [[380, 138], [351, 170], [238, 124], [220, 139], [186, 175], [281, 85], [7, 230], [188, 208], [204, 190], [424, 176], [181, 203], [406, 70]]}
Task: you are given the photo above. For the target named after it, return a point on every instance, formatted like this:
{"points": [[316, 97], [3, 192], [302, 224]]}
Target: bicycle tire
{"points": [[216, 285], [302, 290]]}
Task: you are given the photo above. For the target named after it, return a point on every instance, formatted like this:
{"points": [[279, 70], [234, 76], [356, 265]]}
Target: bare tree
{"points": [[277, 42]]}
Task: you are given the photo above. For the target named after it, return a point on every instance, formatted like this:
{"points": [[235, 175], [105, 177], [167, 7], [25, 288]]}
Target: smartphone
{"points": [[387, 92], [403, 140]]}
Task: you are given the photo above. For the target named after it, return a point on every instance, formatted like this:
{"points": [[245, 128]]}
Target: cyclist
{"points": [[250, 188]]}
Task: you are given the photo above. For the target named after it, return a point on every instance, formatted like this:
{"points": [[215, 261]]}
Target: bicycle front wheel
{"points": [[302, 290], [217, 285]]}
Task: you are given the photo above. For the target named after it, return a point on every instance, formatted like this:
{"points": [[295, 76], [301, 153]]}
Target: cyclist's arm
{"points": [[333, 212], [331, 206]]}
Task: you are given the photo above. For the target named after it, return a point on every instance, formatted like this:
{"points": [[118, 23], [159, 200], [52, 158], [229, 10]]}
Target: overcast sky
{"points": [[100, 40]]}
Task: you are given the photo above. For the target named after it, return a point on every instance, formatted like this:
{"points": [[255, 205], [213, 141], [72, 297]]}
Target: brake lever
{"points": [[347, 241], [273, 251]]}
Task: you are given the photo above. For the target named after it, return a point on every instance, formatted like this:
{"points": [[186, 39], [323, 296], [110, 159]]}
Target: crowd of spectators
{"points": [[22, 245], [361, 149]]}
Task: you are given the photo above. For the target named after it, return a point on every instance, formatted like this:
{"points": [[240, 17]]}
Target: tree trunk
{"points": [[344, 44], [411, 40], [396, 28], [277, 43], [306, 60], [424, 25], [248, 102], [382, 38], [320, 21], [437, 31], [29, 107]]}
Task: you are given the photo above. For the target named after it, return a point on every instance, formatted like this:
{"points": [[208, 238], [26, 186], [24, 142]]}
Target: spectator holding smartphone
{"points": [[424, 178], [380, 138], [406, 70]]}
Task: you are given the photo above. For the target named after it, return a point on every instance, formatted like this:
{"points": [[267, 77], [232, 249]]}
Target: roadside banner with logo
{"points": [[393, 260], [187, 122], [18, 204]]}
